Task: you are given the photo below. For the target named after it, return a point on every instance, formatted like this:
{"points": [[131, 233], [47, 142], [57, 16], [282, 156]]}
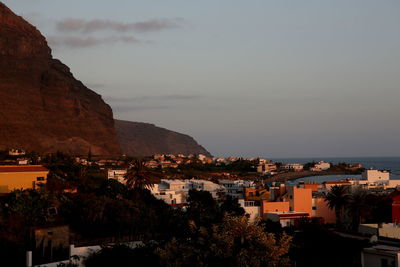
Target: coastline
{"points": [[290, 176]]}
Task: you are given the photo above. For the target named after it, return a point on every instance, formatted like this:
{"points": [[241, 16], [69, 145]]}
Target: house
{"points": [[380, 256], [22, 177], [16, 152], [274, 206], [329, 184], [251, 208], [176, 191], [266, 168], [320, 209], [170, 197], [321, 166], [311, 185], [291, 218], [22, 161], [234, 188], [388, 230], [256, 194], [292, 166], [300, 199], [395, 196], [118, 175], [376, 176]]}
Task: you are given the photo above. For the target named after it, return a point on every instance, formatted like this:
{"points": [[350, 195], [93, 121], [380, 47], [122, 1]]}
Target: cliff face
{"points": [[42, 106], [144, 139]]}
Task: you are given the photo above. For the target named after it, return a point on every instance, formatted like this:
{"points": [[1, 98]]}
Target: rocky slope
{"points": [[144, 139], [42, 106]]}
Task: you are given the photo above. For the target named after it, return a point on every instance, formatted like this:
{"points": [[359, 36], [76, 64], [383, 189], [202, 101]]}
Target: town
{"points": [[71, 206]]}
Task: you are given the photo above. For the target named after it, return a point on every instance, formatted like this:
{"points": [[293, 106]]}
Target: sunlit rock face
{"points": [[42, 106]]}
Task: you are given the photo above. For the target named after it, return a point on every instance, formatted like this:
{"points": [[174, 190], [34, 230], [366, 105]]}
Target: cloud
{"points": [[126, 108], [90, 26], [171, 97], [82, 42]]}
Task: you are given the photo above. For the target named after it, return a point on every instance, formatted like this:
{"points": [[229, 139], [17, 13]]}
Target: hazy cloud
{"points": [[126, 108], [151, 98], [81, 42], [89, 26]]}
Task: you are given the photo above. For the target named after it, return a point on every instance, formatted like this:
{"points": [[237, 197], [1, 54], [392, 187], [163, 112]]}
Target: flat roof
{"points": [[24, 168], [290, 214], [337, 182]]}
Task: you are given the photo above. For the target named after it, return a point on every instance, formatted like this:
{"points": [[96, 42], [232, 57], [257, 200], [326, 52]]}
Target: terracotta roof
{"points": [[32, 168]]}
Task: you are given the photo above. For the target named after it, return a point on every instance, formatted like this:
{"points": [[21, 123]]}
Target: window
{"points": [[40, 179], [314, 208], [384, 263]]}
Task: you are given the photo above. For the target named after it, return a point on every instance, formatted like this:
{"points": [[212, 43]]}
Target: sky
{"points": [[270, 78]]}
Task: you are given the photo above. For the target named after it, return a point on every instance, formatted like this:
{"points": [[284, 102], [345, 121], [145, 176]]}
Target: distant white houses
{"points": [[16, 152], [175, 192], [321, 166], [292, 166]]}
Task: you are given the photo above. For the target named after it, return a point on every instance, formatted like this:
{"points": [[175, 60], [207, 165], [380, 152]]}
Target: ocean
{"points": [[391, 164]]}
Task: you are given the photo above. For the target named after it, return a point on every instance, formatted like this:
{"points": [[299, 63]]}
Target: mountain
{"points": [[144, 139], [42, 106]]}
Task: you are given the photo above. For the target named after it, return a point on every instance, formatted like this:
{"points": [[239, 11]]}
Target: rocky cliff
{"points": [[144, 139], [42, 106]]}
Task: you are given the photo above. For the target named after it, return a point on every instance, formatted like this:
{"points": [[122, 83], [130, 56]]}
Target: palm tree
{"points": [[338, 198], [139, 176], [358, 206]]}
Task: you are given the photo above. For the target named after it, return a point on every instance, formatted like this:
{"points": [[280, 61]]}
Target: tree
{"points": [[232, 206], [233, 242], [203, 209], [358, 207], [140, 177], [337, 199]]}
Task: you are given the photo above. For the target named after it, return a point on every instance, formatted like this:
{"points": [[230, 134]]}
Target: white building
{"points": [[376, 176], [251, 209], [321, 166], [234, 188], [201, 157], [117, 175], [380, 256], [293, 166], [170, 197], [176, 191], [16, 152]]}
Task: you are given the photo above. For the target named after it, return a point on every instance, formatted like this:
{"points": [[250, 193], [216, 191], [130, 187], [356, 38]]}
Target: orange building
{"points": [[22, 177], [255, 194], [320, 209], [267, 206], [312, 186], [300, 199]]}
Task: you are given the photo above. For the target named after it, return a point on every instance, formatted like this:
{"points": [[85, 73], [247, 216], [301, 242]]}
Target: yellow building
{"points": [[22, 177]]}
